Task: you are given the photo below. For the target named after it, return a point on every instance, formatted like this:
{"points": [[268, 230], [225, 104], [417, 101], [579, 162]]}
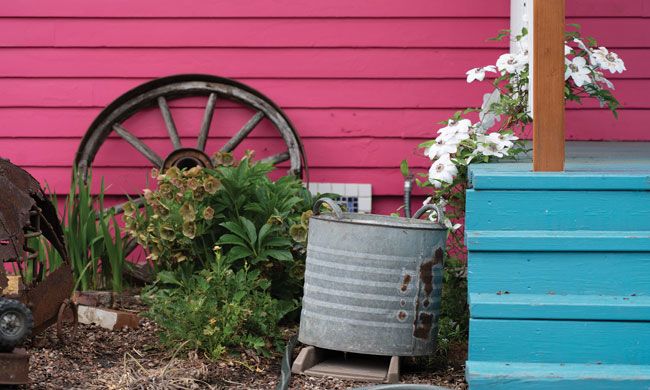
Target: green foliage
{"points": [[257, 221], [454, 314], [93, 238], [217, 309], [93, 241]]}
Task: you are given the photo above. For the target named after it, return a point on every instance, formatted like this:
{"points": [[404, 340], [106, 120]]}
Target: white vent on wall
{"points": [[357, 197]]}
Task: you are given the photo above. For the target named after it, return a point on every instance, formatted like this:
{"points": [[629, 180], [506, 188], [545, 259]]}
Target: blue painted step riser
{"points": [[557, 241], [540, 341], [558, 376], [558, 210], [560, 273], [565, 307], [505, 383]]}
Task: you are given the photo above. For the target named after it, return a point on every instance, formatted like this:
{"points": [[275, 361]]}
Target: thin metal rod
{"points": [[277, 158], [243, 132], [207, 120], [169, 122], [140, 146]]}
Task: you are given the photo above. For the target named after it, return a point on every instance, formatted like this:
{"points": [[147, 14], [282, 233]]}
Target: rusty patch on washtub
{"points": [[424, 321], [426, 276], [438, 257], [423, 325], [405, 283], [401, 315]]}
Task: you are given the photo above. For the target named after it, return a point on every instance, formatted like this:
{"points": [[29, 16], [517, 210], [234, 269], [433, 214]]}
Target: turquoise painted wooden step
{"points": [[578, 176], [558, 210], [559, 307], [558, 241], [551, 341], [577, 273], [556, 376], [590, 166]]}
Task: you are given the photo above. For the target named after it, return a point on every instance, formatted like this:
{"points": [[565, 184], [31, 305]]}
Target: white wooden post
{"points": [[521, 16]]}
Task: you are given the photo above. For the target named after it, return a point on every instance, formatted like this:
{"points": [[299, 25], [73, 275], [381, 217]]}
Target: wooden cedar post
{"points": [[548, 85]]}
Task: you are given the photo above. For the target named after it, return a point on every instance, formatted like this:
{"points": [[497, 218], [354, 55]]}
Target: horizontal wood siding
{"points": [[364, 81]]}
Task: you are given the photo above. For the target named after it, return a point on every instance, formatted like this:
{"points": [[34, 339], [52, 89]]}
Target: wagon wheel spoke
{"points": [[243, 132], [169, 122], [140, 146], [276, 158], [207, 120]]}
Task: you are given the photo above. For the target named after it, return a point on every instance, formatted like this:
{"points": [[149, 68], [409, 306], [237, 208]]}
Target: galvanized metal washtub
{"points": [[372, 282]]}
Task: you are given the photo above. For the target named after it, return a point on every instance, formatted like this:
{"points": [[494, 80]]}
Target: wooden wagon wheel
{"points": [[158, 93]]}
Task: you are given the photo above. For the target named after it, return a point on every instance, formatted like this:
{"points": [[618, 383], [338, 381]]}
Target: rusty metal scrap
{"points": [[20, 195], [25, 212], [15, 368]]}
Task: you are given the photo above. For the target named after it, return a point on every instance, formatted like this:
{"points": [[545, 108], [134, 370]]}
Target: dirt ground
{"points": [[100, 359]]}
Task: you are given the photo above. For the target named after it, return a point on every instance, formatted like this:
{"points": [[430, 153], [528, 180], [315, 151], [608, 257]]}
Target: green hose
{"points": [[285, 371]]}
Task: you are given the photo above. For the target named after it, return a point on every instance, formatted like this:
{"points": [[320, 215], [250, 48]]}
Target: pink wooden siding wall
{"points": [[364, 81]]}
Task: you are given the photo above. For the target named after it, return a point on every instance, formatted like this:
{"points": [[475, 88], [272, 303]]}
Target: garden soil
{"points": [[132, 359]]}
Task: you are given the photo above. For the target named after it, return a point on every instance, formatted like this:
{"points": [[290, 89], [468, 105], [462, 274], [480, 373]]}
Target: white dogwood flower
{"points": [[440, 148], [512, 63], [581, 44], [479, 73], [577, 70], [567, 50], [503, 140], [455, 132], [442, 171], [599, 77], [487, 147], [608, 60], [450, 225]]}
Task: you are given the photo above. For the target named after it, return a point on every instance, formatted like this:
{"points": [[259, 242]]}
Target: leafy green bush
{"points": [[217, 308], [257, 221]]}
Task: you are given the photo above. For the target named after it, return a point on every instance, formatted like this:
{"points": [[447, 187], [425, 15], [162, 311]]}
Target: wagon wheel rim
{"points": [[158, 93]]}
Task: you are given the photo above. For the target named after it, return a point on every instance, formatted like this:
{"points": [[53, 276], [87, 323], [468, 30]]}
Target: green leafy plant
{"points": [[257, 221], [217, 309]]}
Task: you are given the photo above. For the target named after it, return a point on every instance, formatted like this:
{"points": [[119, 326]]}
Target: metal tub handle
{"points": [[335, 207], [440, 213]]}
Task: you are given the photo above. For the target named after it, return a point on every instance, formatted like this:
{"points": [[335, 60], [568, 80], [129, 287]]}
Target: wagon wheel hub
{"points": [[187, 158]]}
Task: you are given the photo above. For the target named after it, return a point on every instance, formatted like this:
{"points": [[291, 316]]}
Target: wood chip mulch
{"points": [[132, 359]]}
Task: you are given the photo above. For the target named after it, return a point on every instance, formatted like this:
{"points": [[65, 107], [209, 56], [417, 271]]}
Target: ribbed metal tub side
{"points": [[372, 287]]}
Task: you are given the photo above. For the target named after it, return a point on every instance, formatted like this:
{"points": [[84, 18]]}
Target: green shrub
{"points": [[257, 221], [216, 309]]}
